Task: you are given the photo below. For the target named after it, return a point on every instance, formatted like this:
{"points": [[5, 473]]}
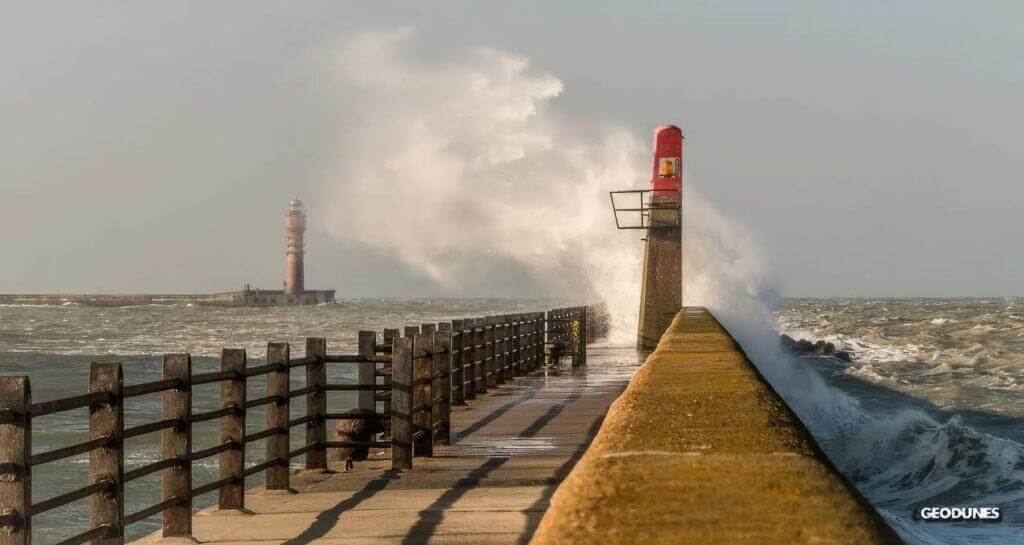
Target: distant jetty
{"points": [[293, 294], [243, 298]]}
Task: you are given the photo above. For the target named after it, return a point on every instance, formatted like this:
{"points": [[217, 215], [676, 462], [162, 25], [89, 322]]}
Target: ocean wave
{"points": [[912, 459]]}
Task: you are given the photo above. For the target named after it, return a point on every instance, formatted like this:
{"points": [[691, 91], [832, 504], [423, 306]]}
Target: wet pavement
{"points": [[511, 448]]}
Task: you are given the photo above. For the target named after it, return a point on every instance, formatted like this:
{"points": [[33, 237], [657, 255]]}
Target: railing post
{"points": [[107, 462], [541, 338], [469, 368], [501, 352], [401, 403], [511, 351], [490, 353], [458, 378], [499, 349], [389, 335], [422, 420], [527, 343], [387, 339], [177, 444], [316, 401], [15, 471], [517, 344], [442, 369], [583, 336], [367, 370], [480, 355], [232, 430], [277, 415]]}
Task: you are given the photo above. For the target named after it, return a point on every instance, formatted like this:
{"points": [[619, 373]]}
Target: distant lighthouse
{"points": [[295, 229]]}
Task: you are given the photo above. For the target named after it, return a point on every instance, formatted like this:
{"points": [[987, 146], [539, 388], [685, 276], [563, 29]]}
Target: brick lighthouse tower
{"points": [[295, 229]]}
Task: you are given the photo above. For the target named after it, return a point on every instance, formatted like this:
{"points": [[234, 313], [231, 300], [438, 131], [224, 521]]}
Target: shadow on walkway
{"points": [[431, 517]]}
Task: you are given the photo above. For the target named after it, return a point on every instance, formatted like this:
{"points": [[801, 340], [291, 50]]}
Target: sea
{"points": [[938, 390], [932, 401]]}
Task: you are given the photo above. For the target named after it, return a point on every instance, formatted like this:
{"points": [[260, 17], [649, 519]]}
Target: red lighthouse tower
{"points": [[660, 213]]}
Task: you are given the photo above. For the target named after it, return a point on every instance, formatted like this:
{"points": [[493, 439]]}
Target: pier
{"points": [[701, 449], [466, 404]]}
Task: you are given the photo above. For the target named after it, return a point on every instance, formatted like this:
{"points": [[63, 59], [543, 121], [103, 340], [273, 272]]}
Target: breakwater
{"points": [[242, 298], [700, 449]]}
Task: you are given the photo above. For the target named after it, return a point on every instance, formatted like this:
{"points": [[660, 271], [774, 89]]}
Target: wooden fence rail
{"points": [[409, 382]]}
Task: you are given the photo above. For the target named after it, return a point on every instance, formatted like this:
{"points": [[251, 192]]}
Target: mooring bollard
{"points": [[177, 445], [401, 403], [316, 400], [106, 463], [277, 416], [232, 429]]}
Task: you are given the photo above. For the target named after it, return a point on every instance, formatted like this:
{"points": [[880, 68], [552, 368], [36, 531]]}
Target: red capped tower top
{"points": [[667, 177]]}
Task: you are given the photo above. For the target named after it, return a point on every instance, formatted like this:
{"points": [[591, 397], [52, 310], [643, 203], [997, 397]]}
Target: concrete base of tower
{"points": [[662, 292]]}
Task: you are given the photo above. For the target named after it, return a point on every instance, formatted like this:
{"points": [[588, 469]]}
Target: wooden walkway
{"points": [[511, 449]]}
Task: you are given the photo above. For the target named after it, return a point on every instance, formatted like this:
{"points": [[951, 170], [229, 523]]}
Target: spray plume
{"points": [[461, 164], [477, 169]]}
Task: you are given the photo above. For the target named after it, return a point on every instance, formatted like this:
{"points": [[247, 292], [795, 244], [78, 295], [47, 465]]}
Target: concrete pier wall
{"points": [[700, 449]]}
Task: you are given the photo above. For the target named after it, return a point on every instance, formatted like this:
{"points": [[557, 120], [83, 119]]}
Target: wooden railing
{"points": [[409, 382]]}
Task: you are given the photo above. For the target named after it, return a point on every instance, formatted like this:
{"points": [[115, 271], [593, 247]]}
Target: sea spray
{"points": [[900, 457], [461, 164]]}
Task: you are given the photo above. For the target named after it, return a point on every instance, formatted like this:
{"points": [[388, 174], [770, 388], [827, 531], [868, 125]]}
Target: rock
{"points": [[816, 349], [354, 430]]}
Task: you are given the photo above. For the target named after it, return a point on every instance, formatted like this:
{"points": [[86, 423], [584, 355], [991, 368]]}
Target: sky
{"points": [[871, 148]]}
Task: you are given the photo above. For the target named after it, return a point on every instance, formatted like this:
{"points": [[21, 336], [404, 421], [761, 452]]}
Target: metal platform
{"points": [[655, 209]]}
